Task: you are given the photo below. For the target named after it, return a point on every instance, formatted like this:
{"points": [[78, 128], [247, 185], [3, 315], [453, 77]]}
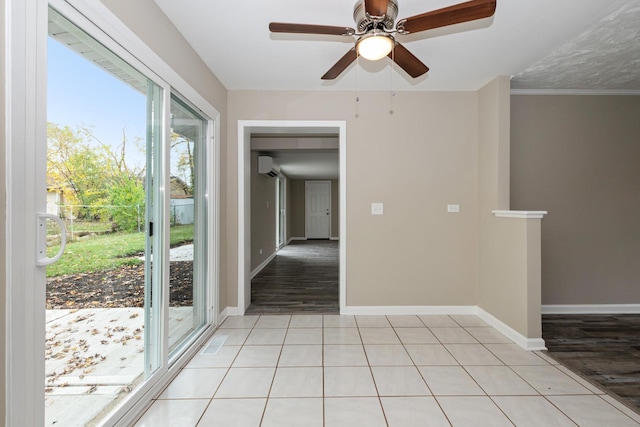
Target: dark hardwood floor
{"points": [[302, 278], [604, 349]]}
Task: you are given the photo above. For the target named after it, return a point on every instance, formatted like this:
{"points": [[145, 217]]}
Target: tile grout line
{"points": [[538, 394], [324, 406], [275, 371], [375, 385], [225, 374]]}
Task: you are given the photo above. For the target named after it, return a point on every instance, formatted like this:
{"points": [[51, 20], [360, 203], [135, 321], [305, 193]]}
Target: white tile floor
{"points": [[330, 371]]}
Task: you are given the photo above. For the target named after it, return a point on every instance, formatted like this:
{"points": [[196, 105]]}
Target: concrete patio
{"points": [[94, 358]]}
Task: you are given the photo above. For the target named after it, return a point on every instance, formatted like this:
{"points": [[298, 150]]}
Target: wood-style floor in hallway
{"points": [[302, 278]]}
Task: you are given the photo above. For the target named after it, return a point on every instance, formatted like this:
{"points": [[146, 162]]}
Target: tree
{"points": [[128, 201], [185, 165], [94, 175], [126, 186], [76, 169]]}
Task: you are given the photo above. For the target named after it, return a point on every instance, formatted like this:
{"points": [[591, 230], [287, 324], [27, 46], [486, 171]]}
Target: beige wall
{"points": [[263, 214], [579, 158], [335, 208], [296, 214], [165, 40], [3, 218], [509, 248], [415, 161], [288, 202]]}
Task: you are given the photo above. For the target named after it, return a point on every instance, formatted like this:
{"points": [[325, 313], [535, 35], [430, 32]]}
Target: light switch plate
{"points": [[377, 208], [453, 208]]}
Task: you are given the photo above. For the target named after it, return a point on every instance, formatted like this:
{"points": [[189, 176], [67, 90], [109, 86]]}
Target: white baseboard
{"points": [[233, 311], [524, 342], [334, 238], [394, 310], [591, 309], [506, 330], [222, 316], [259, 268], [503, 328]]}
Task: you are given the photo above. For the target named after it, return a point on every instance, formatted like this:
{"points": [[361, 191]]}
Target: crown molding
{"points": [[600, 92]]}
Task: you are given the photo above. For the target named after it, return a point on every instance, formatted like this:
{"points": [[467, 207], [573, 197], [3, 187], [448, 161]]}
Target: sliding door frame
{"points": [[25, 32], [25, 29]]}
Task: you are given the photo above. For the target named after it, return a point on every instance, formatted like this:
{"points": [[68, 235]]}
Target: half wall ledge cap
{"points": [[520, 214]]}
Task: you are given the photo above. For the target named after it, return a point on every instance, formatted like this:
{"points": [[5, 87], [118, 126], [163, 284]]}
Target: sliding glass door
{"points": [[104, 295], [188, 224], [128, 179]]}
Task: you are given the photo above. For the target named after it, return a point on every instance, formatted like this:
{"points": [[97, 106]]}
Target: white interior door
{"points": [[318, 209]]}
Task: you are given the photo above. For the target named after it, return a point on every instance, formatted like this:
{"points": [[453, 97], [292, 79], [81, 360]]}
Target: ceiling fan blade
{"points": [[341, 65], [376, 7], [283, 27], [407, 61], [456, 14]]}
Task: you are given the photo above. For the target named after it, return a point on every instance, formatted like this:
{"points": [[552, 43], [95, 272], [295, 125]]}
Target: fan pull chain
{"points": [[357, 93], [392, 94]]}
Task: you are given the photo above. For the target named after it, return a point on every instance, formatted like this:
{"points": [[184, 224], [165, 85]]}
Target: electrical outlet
{"points": [[453, 208], [260, 251], [377, 208]]}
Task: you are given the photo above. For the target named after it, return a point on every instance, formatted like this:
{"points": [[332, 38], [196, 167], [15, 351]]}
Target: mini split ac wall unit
{"points": [[265, 166]]}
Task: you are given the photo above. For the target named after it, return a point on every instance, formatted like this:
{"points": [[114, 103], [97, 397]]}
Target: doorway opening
{"points": [[252, 200]]}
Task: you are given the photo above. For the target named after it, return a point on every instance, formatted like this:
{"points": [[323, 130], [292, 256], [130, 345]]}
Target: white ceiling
{"points": [[557, 44], [579, 45]]}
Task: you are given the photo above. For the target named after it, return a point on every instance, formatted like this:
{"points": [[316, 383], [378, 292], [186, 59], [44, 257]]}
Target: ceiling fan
{"points": [[375, 34]]}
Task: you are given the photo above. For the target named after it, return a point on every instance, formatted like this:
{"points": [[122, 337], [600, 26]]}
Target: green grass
{"points": [[80, 226], [180, 234], [106, 252]]}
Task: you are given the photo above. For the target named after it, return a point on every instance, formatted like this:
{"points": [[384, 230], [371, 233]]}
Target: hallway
{"points": [[302, 278]]}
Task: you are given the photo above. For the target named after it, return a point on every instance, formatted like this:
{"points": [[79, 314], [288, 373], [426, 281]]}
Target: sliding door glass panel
{"points": [[188, 225], [103, 297]]}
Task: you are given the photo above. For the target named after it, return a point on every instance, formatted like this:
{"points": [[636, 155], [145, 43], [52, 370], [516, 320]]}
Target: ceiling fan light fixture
{"points": [[375, 46]]}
